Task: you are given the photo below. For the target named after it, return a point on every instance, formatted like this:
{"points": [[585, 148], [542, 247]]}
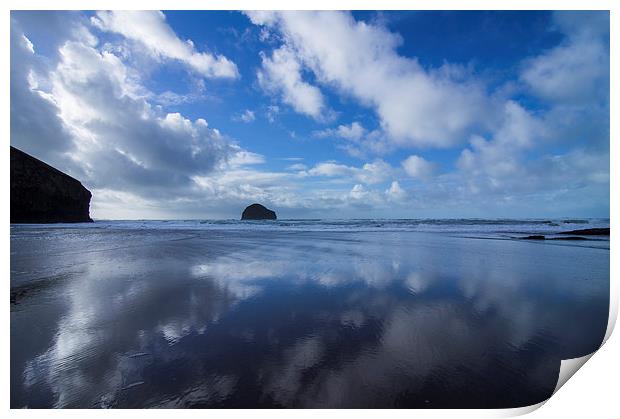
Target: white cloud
{"points": [[395, 192], [27, 44], [244, 158], [231, 186], [272, 112], [357, 141], [246, 116], [499, 157], [577, 70], [417, 167], [150, 29], [582, 23], [370, 173], [572, 73], [368, 200], [108, 134], [297, 167], [416, 106], [35, 126], [171, 98], [281, 74], [573, 78], [330, 169], [358, 192], [353, 132], [499, 169]]}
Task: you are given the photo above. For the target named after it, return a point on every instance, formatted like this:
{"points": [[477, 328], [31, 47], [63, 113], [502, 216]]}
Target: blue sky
{"points": [[196, 114]]}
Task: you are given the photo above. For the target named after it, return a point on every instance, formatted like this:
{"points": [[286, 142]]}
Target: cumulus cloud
{"points": [[281, 74], [573, 80], [416, 106], [150, 29], [89, 115], [395, 192], [112, 125], [518, 131], [498, 159], [500, 170], [577, 70], [35, 125], [418, 167], [357, 141], [570, 73], [358, 192], [355, 131]]}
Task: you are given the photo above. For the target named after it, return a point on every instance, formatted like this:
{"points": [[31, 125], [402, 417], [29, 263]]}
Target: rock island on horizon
{"points": [[258, 212]]}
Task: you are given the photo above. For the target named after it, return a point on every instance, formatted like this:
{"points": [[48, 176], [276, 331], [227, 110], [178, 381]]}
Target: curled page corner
{"points": [[568, 367], [519, 411]]}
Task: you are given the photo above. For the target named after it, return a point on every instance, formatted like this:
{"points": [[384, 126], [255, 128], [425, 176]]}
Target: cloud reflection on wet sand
{"points": [[323, 320]]}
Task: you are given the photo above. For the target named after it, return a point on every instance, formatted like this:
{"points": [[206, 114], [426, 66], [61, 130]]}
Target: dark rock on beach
{"points": [[573, 234], [43, 194], [537, 237], [589, 232], [258, 212]]}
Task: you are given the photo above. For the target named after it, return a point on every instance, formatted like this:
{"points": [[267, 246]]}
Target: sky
{"points": [[332, 114]]}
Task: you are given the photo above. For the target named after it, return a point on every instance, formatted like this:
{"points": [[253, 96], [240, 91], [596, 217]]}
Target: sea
{"points": [[382, 313]]}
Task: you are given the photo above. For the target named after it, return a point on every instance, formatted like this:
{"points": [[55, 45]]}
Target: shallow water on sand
{"points": [[130, 316]]}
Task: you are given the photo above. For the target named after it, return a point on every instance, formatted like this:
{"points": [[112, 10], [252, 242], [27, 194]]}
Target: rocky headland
{"points": [[41, 193]]}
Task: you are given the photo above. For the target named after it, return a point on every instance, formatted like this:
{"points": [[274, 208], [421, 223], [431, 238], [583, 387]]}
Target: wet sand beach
{"points": [[151, 314]]}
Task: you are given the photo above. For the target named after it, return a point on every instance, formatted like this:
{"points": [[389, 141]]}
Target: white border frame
{"points": [[575, 400]]}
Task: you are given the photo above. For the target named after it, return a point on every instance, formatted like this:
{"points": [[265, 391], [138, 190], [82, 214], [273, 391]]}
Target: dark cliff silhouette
{"points": [[43, 194]]}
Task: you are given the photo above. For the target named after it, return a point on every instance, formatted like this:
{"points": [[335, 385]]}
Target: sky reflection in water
{"points": [[322, 319]]}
